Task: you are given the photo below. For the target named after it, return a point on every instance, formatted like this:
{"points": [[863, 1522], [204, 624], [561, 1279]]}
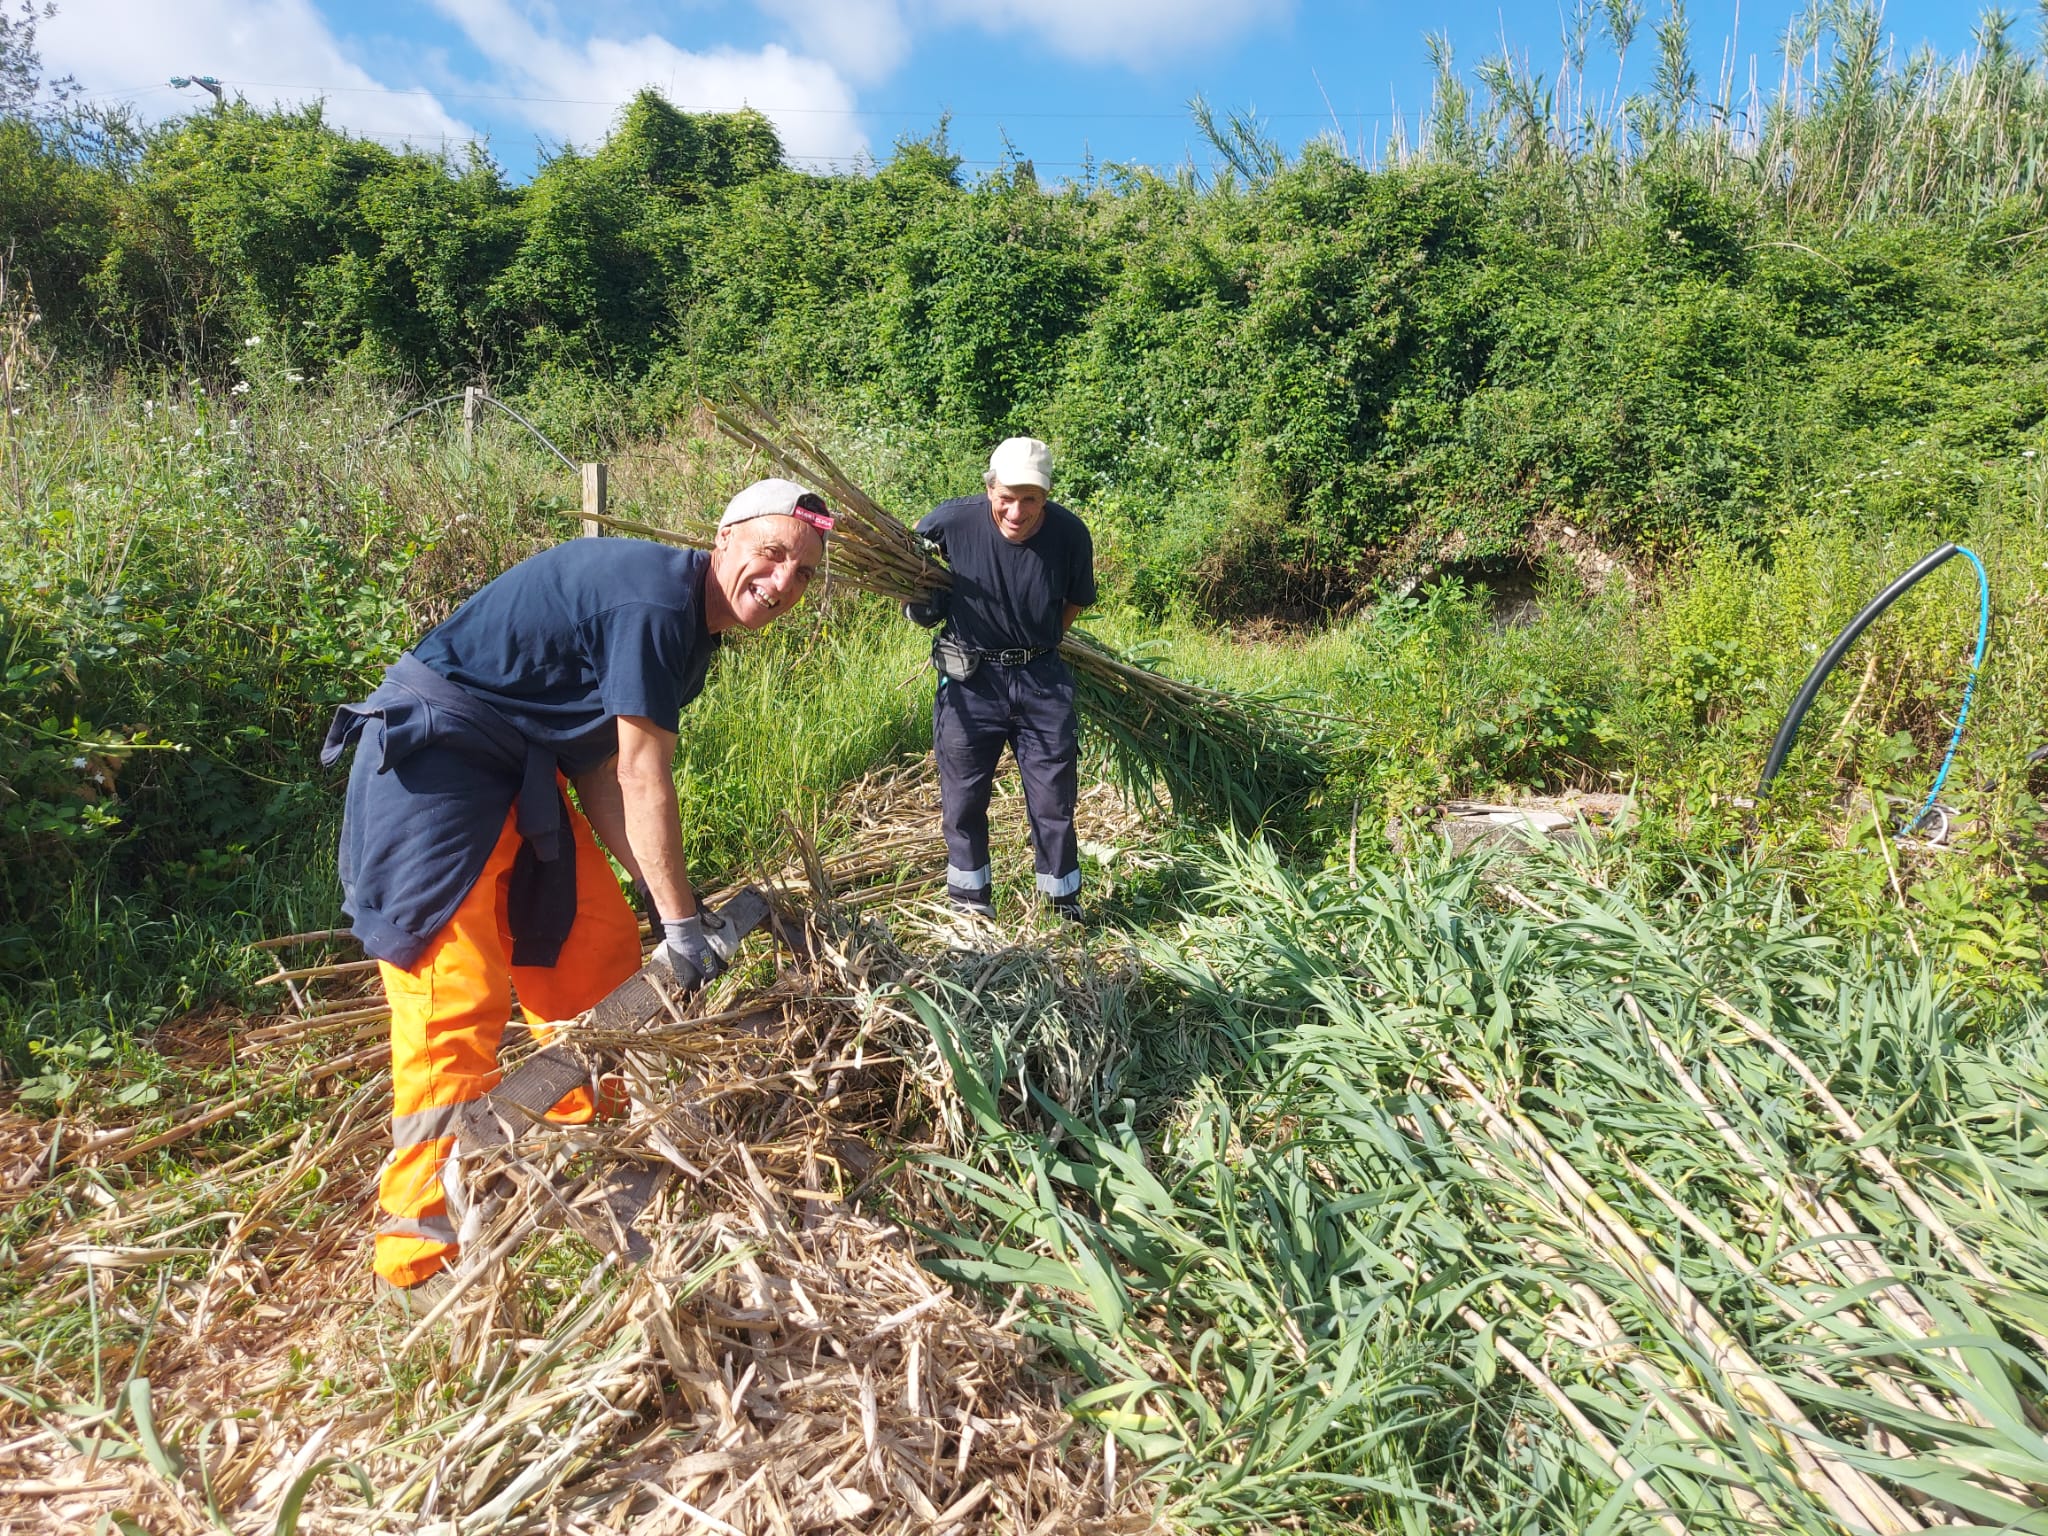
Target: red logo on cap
{"points": [[810, 508]]}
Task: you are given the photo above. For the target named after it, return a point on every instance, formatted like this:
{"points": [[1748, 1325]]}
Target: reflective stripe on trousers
{"points": [[448, 1015]]}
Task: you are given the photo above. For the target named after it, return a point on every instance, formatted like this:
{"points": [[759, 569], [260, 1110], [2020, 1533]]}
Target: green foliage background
{"points": [[1763, 371], [1269, 388]]}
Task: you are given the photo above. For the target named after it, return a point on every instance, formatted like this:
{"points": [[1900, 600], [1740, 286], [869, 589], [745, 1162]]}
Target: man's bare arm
{"points": [[597, 792], [1068, 615], [653, 832]]}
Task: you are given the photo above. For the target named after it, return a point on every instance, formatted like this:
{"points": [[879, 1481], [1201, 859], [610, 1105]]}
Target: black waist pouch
{"points": [[955, 662]]}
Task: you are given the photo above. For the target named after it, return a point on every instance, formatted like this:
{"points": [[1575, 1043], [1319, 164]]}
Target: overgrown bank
{"points": [[1634, 318], [197, 580]]}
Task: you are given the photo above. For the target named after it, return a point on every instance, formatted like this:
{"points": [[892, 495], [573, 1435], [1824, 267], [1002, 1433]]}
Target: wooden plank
{"points": [[594, 477]]}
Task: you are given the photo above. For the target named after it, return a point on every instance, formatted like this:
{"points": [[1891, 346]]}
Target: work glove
{"points": [[930, 609], [691, 947]]}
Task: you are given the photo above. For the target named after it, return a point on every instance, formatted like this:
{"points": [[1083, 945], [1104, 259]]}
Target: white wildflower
{"points": [[253, 341], [241, 388]]}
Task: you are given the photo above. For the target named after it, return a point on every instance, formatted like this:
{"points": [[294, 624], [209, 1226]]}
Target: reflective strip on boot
{"points": [[433, 1229], [406, 1261]]}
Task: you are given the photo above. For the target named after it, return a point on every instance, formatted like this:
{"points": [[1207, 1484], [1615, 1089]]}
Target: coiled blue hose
{"points": [[1788, 731], [1969, 689]]}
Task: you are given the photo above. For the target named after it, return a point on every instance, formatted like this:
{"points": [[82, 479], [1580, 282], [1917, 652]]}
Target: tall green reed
{"points": [[1636, 1142]]}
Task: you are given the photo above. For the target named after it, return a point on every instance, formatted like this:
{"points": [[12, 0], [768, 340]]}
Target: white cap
{"points": [[777, 498], [1021, 461]]}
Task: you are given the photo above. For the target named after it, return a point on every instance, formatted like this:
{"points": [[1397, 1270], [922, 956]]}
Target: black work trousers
{"points": [[1032, 709]]}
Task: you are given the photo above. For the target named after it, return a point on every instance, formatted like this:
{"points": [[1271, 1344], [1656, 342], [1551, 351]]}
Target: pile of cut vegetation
{"points": [[194, 1344], [1568, 1190], [1548, 1196]]}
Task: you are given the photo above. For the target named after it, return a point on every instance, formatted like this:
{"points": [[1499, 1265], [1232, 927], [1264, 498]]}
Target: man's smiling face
{"points": [[1018, 510], [762, 566]]}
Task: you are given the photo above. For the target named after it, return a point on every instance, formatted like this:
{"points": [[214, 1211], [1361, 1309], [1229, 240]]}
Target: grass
{"points": [[1329, 1181], [1516, 1202], [796, 713]]}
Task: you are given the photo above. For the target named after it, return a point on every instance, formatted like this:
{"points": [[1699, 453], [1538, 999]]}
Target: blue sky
{"points": [[1059, 80]]}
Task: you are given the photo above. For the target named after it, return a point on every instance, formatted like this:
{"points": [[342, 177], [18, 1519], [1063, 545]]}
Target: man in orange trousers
{"points": [[466, 872]]}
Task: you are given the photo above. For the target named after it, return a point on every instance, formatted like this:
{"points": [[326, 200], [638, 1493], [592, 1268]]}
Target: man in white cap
{"points": [[464, 869], [1023, 569]]}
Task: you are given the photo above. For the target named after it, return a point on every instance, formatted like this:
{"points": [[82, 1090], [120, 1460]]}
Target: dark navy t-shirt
{"points": [[567, 641], [1008, 595]]}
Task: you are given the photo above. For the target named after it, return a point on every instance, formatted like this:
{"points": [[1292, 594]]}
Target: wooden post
{"points": [[593, 499], [472, 410]]}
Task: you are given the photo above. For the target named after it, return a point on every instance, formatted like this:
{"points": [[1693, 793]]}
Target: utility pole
{"points": [[205, 83]]}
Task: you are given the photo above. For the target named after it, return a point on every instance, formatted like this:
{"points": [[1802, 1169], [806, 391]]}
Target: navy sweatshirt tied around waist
{"points": [[435, 771]]}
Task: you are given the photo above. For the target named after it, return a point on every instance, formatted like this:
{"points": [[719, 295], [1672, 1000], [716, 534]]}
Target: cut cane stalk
{"points": [[1625, 1475], [1849, 1492], [1867, 1153], [1607, 1341]]}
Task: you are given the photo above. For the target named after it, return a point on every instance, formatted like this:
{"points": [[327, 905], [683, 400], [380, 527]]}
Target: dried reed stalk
{"points": [[781, 1360]]}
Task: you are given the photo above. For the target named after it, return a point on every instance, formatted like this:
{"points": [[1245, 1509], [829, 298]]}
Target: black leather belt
{"points": [[1017, 657]]}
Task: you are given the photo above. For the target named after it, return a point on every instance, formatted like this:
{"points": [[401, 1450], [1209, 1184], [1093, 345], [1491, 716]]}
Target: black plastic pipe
{"points": [[1789, 731]]}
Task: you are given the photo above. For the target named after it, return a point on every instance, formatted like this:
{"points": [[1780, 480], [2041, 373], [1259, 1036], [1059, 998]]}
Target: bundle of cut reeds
{"points": [[1219, 754]]}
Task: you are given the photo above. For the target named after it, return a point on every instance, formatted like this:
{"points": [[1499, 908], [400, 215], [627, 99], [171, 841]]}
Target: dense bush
{"points": [[1287, 391], [1268, 390]]}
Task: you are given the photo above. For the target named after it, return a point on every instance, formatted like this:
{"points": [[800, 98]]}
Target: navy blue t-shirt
{"points": [[1005, 595], [570, 639]]}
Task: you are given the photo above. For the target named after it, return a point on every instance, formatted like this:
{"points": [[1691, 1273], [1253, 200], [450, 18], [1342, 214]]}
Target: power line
{"points": [[1321, 113], [417, 140]]}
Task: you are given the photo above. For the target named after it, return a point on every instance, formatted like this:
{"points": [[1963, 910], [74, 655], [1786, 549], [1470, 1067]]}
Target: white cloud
{"points": [[572, 83], [866, 38], [268, 50], [573, 89]]}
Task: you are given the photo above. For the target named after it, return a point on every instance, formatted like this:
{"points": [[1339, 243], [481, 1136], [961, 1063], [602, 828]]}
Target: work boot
{"points": [[418, 1299], [973, 903], [1068, 910]]}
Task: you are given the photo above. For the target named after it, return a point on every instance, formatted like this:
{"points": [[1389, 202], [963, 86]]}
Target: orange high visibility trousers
{"points": [[448, 1015]]}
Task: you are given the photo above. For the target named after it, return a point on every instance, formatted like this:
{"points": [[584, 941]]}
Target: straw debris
{"points": [[780, 1360]]}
